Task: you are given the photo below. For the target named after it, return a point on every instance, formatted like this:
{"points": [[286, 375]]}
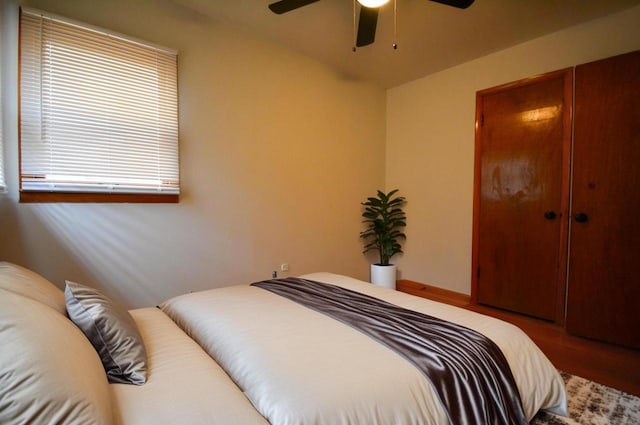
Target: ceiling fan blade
{"points": [[461, 4], [284, 6], [367, 26]]}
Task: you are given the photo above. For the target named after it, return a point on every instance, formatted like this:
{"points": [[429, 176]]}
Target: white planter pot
{"points": [[384, 275]]}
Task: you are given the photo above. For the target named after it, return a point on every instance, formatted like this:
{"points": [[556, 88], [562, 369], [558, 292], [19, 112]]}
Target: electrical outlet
{"points": [[284, 267], [274, 274]]}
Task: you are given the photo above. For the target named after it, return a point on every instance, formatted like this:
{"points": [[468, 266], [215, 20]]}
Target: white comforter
{"points": [[300, 367], [184, 386]]}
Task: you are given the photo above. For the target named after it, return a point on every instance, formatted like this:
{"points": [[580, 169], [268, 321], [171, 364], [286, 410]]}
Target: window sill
{"points": [[78, 197]]}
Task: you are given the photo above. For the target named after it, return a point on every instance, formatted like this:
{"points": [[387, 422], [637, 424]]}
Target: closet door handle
{"points": [[550, 215], [581, 217]]}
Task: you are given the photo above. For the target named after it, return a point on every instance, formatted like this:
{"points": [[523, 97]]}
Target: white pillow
{"points": [[30, 284], [49, 372], [112, 332]]}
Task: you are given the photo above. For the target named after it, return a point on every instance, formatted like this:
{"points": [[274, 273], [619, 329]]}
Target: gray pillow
{"points": [[112, 332]]}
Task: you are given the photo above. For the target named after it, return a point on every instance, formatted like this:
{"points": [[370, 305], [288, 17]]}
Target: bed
{"points": [[238, 355], [51, 374]]}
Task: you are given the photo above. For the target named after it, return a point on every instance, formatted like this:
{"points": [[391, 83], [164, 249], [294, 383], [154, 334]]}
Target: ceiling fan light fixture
{"points": [[373, 3]]}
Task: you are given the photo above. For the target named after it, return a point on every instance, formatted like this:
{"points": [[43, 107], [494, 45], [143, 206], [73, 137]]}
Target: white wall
{"points": [[430, 140], [276, 152]]}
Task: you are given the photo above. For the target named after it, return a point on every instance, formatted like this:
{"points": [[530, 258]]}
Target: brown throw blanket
{"points": [[467, 370]]}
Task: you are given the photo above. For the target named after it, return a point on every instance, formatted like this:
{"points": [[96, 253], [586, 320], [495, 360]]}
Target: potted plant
{"points": [[384, 219]]}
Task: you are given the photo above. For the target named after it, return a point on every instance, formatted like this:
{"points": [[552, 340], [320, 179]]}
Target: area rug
{"points": [[591, 403]]}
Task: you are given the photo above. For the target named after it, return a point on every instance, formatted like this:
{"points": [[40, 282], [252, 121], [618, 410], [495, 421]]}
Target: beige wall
{"points": [[430, 140], [276, 153]]}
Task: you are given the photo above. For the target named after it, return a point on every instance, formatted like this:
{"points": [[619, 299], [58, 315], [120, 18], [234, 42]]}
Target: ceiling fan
{"points": [[368, 19]]}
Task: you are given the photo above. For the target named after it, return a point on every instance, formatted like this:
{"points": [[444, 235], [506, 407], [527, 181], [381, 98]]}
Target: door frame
{"points": [[561, 282]]}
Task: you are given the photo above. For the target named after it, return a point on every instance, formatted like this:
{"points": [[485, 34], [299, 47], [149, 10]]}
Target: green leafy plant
{"points": [[384, 217]]}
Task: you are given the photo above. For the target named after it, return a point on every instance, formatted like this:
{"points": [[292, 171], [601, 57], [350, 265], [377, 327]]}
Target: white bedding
{"points": [[300, 367], [184, 386]]}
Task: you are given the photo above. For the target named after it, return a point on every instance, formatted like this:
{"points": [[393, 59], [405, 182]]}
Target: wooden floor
{"points": [[604, 363]]}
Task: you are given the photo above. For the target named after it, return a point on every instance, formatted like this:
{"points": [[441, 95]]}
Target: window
{"points": [[98, 115], [3, 185]]}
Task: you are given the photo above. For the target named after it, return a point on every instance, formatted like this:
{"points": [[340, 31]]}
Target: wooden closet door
{"points": [[604, 260], [522, 149]]}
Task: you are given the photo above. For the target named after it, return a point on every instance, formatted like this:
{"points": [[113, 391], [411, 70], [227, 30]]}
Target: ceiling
{"points": [[430, 36]]}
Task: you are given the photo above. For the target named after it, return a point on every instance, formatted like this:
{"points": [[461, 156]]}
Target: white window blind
{"points": [[98, 112], [3, 184]]}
